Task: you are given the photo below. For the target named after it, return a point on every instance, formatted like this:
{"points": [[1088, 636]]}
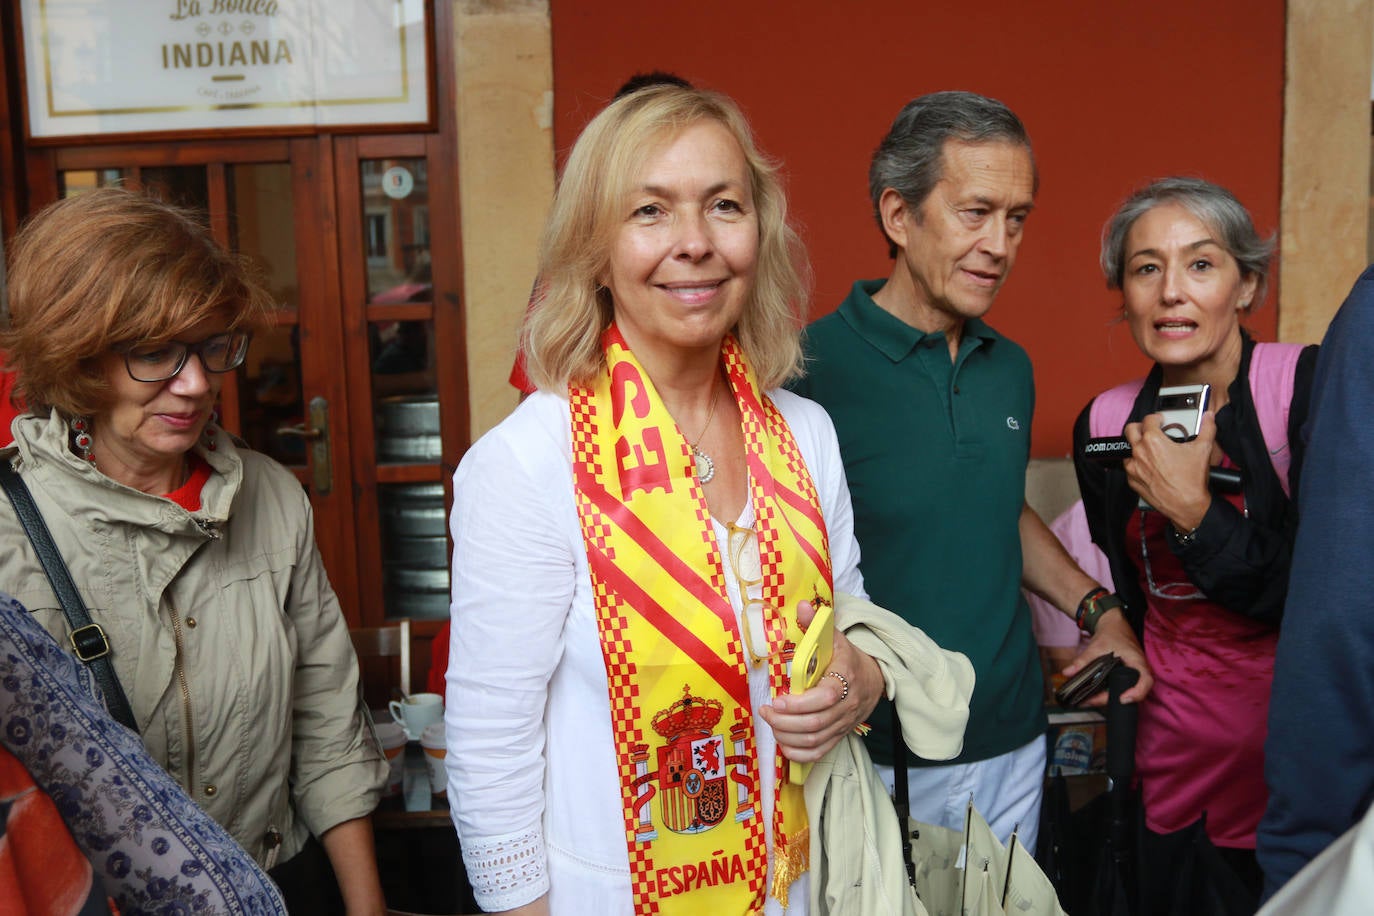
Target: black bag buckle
{"points": [[89, 643]]}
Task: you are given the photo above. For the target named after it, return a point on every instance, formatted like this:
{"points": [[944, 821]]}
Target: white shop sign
{"points": [[96, 67]]}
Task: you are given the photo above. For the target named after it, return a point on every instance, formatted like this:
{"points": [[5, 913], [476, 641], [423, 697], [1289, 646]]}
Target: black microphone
{"points": [[1112, 450], [1108, 450]]}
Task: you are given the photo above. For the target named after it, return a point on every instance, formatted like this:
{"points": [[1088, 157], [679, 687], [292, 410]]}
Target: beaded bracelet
{"points": [[1085, 602], [1094, 604]]}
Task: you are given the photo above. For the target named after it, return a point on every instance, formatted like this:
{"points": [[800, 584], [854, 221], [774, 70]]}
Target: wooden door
{"points": [[400, 280], [357, 238], [272, 201]]}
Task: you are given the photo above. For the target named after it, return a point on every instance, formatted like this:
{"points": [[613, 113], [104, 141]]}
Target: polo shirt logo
{"points": [[1012, 423]]}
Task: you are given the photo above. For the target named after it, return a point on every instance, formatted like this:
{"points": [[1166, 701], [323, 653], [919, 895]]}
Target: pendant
{"points": [[706, 468]]}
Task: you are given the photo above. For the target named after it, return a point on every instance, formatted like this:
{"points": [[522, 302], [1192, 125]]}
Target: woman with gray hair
{"points": [[1198, 523]]}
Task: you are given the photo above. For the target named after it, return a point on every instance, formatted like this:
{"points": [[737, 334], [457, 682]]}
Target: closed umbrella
{"points": [[1145, 874], [984, 855], [980, 894], [970, 873], [1117, 885], [1028, 889], [936, 852], [1090, 854]]}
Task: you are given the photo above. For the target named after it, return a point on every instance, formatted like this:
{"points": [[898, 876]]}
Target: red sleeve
{"points": [[518, 379], [7, 410], [438, 661]]}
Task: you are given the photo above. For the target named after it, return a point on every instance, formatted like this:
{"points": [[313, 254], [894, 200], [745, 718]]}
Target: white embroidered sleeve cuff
{"points": [[507, 871]]}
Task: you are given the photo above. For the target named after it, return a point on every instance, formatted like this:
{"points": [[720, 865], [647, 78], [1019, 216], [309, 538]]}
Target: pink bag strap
{"points": [[1112, 408], [1273, 367]]}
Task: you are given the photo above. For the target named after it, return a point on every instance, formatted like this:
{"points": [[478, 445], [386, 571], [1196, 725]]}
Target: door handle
{"points": [[316, 432]]}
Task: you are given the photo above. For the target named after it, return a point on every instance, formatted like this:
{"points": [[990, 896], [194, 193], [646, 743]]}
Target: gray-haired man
{"points": [[933, 410]]}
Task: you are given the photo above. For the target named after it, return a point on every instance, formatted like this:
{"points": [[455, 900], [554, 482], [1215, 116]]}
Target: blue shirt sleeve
{"points": [[1319, 755]]}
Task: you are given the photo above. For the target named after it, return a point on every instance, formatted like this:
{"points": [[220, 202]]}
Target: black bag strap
{"points": [[901, 793], [88, 640]]}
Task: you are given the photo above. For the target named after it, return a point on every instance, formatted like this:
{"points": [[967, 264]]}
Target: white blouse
{"points": [[533, 784]]}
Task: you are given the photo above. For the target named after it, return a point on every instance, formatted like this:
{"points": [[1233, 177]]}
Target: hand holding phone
{"points": [[810, 661], [1180, 410]]}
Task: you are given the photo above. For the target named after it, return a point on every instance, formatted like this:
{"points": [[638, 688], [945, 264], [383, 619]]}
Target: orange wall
{"points": [[1112, 93]]}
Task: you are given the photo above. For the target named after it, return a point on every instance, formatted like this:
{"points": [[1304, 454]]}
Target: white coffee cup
{"points": [[433, 743], [416, 712], [393, 738]]}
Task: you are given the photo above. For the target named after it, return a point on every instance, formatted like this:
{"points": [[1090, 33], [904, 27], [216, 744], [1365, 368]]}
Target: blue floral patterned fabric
{"points": [[153, 848]]}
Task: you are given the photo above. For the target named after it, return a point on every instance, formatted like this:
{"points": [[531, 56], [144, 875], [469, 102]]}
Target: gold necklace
{"points": [[705, 467]]}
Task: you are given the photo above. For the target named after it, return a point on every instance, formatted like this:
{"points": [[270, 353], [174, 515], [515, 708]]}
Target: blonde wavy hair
{"points": [[561, 336]]}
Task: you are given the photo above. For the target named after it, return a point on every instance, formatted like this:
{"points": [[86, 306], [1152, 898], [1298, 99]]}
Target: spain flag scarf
{"points": [[675, 666]]}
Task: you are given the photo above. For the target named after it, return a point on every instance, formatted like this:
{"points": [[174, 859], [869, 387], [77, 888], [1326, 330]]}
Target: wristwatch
{"points": [[1184, 538]]}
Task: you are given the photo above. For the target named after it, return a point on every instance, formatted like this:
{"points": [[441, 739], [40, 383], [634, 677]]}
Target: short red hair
{"points": [[106, 267]]}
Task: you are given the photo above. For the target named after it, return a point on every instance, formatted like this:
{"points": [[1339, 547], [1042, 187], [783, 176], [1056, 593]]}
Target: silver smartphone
{"points": [[1181, 408]]}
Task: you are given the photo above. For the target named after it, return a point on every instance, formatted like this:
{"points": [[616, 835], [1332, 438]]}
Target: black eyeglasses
{"points": [[1172, 591], [161, 361]]}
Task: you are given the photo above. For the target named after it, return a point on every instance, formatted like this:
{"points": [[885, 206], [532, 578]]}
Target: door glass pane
{"points": [[261, 224], [78, 180], [396, 229], [415, 542], [261, 228], [406, 406], [270, 394], [183, 185]]}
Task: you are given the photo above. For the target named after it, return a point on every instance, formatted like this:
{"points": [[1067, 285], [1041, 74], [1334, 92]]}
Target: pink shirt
{"points": [[1051, 626], [1200, 744]]}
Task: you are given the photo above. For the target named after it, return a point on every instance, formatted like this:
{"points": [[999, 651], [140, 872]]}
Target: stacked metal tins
{"points": [[415, 550], [408, 430], [414, 524]]}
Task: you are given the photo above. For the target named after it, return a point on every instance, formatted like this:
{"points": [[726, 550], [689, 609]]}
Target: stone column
{"points": [[504, 60]]}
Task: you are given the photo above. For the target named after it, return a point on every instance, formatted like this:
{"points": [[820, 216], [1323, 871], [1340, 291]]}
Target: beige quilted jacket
{"points": [[225, 633]]}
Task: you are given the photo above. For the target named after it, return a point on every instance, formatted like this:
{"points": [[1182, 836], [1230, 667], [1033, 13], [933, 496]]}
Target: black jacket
{"points": [[1239, 562]]}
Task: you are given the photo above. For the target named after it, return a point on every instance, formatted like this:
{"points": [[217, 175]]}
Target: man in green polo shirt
{"points": [[933, 410]]}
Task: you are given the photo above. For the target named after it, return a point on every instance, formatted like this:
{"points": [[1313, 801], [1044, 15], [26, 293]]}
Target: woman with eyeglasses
{"points": [[632, 544], [194, 556], [1202, 563]]}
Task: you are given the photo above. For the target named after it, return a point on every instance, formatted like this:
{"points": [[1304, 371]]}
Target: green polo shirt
{"points": [[935, 453]]}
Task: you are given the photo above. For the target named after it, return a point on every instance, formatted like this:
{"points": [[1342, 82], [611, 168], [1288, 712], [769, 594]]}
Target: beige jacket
{"points": [[225, 633], [856, 843]]}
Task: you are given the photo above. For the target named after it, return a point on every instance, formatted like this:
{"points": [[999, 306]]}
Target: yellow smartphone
{"points": [[810, 661]]}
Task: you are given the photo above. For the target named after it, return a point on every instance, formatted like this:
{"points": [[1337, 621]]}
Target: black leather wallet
{"points": [[1086, 682]]}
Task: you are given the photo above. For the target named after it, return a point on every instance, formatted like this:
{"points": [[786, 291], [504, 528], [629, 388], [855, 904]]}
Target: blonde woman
{"points": [[632, 544]]}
